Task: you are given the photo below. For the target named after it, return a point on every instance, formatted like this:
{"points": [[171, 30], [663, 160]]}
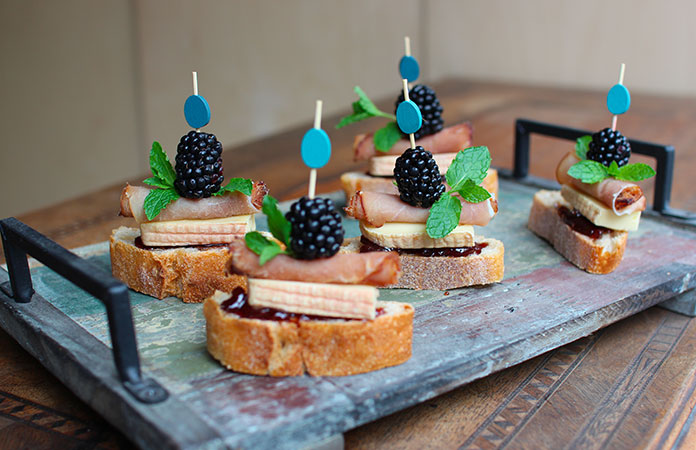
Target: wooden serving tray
{"points": [[459, 336]]}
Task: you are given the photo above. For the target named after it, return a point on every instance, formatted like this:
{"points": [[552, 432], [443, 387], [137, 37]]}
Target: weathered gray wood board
{"points": [[460, 335]]}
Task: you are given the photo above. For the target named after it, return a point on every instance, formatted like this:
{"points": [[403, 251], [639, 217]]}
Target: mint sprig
{"points": [[464, 175], [279, 227], [242, 185], [163, 177], [582, 144], [365, 108]]}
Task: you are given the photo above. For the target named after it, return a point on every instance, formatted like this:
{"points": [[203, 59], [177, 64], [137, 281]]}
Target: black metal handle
{"points": [[663, 154], [18, 240]]}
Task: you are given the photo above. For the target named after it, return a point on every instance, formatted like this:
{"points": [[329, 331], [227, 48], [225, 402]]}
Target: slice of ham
{"points": [[373, 268], [230, 204], [623, 197], [448, 140], [376, 209]]}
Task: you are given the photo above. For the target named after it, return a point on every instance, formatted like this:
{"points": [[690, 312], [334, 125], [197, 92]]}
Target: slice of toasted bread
{"points": [[599, 256], [332, 347], [189, 273], [447, 272], [360, 181]]}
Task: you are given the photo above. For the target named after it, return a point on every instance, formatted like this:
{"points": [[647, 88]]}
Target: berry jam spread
{"points": [[238, 304], [580, 223], [368, 246], [139, 243]]}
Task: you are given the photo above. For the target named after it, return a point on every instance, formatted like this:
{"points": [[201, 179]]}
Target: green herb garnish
{"points": [[163, 177], [591, 172], [279, 227], [468, 169], [363, 109]]}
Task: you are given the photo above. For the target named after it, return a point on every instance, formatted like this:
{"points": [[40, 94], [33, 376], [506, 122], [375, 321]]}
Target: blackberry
{"points": [[198, 165], [418, 177], [316, 228], [430, 108], [607, 146]]}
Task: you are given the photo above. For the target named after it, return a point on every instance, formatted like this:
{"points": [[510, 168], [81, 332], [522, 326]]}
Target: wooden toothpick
{"points": [[195, 88], [313, 172], [407, 50], [621, 78], [410, 136]]}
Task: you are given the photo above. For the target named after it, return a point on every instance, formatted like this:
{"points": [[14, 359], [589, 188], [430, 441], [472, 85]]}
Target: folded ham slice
{"points": [[374, 268], [448, 140], [623, 197], [230, 204], [376, 209]]}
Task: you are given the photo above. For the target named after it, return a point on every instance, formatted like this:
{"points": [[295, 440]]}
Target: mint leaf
{"points": [[270, 252], [352, 119], [613, 169], [242, 185], [262, 246], [473, 193], [157, 182], [364, 108], [588, 171], [582, 144], [160, 166], [256, 241], [470, 164], [635, 172], [386, 137], [277, 223], [444, 216], [157, 200]]}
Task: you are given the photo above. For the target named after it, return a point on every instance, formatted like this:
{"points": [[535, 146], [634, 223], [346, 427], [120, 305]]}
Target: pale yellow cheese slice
{"points": [[413, 235], [599, 214]]}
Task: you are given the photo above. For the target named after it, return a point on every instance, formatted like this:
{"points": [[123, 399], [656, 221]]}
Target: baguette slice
{"points": [[360, 181], [598, 256], [332, 347], [189, 273], [446, 272]]}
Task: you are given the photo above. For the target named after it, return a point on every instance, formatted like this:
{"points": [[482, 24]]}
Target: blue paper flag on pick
{"points": [[408, 117], [316, 148], [197, 111], [618, 99], [408, 68]]}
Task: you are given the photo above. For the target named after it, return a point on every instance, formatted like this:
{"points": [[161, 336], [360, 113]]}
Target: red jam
{"points": [[580, 223], [238, 304], [139, 243], [368, 246]]}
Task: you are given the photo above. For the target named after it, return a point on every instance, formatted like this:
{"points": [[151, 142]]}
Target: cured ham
{"points": [[374, 268], [230, 204], [623, 197], [449, 140], [376, 209]]}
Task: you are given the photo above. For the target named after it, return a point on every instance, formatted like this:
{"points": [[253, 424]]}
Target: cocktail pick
{"points": [[196, 109], [408, 65], [316, 149], [408, 116], [618, 98]]}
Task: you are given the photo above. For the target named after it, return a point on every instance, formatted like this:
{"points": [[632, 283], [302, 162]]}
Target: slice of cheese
{"points": [[599, 214], [321, 299], [413, 235], [196, 232]]}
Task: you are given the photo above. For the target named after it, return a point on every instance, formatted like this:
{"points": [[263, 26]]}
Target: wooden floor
{"points": [[630, 385]]}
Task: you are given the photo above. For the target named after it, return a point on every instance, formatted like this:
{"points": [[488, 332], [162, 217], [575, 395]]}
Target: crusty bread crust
{"points": [[183, 272], [598, 256], [360, 181], [320, 348], [445, 272]]}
